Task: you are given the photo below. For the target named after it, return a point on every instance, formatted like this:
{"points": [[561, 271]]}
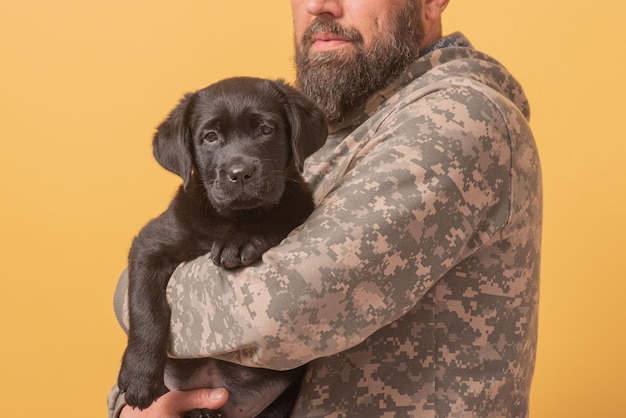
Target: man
{"points": [[412, 290]]}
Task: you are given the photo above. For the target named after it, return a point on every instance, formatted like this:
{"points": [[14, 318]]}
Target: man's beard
{"points": [[339, 80]]}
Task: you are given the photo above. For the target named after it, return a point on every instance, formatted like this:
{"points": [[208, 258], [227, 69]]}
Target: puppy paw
{"points": [[202, 413], [141, 384], [141, 393], [239, 251], [253, 250]]}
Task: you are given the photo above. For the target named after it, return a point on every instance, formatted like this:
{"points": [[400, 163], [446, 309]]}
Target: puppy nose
{"points": [[240, 173]]}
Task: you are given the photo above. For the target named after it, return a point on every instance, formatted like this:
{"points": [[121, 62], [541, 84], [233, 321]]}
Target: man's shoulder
{"points": [[463, 92], [464, 68]]}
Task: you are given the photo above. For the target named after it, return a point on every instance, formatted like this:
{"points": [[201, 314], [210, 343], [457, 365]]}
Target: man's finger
{"points": [[180, 402], [176, 404]]}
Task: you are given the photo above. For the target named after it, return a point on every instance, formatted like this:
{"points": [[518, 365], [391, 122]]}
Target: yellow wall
{"points": [[84, 83]]}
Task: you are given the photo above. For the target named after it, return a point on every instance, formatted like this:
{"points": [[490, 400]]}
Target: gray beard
{"points": [[339, 80]]}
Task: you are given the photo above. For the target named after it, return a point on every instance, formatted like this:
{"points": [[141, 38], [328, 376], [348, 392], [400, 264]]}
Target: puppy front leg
{"points": [[143, 363]]}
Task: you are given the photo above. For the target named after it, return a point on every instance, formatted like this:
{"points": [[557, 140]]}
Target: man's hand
{"points": [[175, 404]]}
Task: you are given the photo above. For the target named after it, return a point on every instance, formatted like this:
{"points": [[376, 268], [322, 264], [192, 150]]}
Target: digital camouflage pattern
{"points": [[412, 290]]}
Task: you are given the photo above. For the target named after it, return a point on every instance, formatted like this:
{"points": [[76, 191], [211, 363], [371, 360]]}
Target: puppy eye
{"points": [[210, 136], [266, 130]]}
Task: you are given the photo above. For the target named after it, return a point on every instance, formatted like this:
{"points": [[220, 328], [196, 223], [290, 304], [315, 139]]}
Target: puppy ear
{"points": [[309, 127], [171, 144]]}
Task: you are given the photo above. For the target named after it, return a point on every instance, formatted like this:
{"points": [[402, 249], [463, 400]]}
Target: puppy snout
{"points": [[240, 173]]}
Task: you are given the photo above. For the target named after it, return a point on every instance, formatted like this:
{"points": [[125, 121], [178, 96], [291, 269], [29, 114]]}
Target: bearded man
{"points": [[412, 290]]}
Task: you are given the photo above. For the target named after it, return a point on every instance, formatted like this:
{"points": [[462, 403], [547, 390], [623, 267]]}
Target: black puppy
{"points": [[239, 146]]}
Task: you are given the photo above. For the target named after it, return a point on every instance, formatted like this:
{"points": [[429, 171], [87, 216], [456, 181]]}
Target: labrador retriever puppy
{"points": [[239, 146]]}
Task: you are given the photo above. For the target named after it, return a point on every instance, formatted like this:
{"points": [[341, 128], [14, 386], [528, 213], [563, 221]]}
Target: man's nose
{"points": [[320, 8]]}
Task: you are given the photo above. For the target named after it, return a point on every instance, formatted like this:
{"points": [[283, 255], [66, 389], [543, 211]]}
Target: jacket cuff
{"points": [[115, 402]]}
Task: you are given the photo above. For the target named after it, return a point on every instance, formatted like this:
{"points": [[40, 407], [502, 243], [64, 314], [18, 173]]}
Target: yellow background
{"points": [[84, 83]]}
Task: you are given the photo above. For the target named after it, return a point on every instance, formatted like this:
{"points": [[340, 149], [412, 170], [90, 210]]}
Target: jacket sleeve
{"points": [[407, 195], [115, 402]]}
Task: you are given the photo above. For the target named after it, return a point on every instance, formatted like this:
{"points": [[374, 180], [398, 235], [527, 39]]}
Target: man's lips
{"points": [[326, 41]]}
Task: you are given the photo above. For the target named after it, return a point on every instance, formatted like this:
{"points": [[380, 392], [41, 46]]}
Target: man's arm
{"points": [[422, 194]]}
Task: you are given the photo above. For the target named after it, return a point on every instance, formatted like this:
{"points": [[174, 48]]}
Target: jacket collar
{"points": [[424, 63]]}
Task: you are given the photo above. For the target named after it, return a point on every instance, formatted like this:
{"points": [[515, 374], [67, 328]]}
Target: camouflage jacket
{"points": [[412, 289]]}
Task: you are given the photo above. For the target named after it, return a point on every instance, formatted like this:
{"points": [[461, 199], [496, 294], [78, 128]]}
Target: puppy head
{"points": [[240, 136]]}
